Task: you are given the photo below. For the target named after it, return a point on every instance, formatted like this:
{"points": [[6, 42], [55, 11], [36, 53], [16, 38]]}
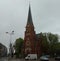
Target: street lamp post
{"points": [[10, 45]]}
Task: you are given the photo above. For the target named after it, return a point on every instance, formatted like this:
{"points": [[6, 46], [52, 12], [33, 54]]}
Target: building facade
{"points": [[3, 50], [32, 42]]}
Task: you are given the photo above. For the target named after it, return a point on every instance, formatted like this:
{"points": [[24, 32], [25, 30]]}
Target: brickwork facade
{"points": [[31, 42]]}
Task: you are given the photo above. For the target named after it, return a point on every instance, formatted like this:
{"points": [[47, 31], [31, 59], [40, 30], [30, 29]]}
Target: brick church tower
{"points": [[29, 35], [32, 41]]}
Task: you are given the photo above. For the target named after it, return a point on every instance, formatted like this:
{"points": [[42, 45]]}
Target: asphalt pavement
{"points": [[9, 59], [4, 59]]}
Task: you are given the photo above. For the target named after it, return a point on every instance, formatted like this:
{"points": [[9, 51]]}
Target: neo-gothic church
{"points": [[32, 43]]}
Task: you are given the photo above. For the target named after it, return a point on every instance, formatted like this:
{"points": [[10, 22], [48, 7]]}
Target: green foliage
{"points": [[45, 44], [53, 38], [18, 46], [49, 45], [57, 48]]}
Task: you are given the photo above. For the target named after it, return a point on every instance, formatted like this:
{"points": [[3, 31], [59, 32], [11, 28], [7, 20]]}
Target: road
{"points": [[3, 59], [7, 59]]}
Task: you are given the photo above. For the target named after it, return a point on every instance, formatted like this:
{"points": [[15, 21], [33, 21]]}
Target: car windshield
{"points": [[43, 57]]}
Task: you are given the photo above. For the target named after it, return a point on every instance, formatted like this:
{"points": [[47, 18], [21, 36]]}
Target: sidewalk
{"points": [[14, 60]]}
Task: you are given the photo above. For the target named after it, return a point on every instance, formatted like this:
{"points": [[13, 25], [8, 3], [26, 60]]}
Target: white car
{"points": [[44, 58]]}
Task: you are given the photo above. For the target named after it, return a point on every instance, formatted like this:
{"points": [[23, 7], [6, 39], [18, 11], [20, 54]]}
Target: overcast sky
{"points": [[14, 13]]}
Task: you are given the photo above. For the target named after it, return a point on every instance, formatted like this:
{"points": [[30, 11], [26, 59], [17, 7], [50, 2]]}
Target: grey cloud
{"points": [[14, 13]]}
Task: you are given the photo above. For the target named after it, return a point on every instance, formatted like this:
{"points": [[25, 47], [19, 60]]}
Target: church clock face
{"points": [[28, 43]]}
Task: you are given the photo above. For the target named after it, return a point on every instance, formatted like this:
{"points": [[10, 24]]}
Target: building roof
{"points": [[1, 46]]}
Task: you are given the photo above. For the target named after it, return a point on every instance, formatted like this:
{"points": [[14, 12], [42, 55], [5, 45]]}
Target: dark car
{"points": [[44, 58]]}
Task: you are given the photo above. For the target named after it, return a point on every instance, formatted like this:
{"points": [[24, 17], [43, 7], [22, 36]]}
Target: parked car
{"points": [[57, 58], [44, 58], [48, 56]]}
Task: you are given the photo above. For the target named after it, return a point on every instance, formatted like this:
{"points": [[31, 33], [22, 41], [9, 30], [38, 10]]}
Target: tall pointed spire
{"points": [[29, 21]]}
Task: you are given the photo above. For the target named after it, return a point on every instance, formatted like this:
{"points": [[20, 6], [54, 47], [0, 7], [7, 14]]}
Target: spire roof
{"points": [[29, 17]]}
